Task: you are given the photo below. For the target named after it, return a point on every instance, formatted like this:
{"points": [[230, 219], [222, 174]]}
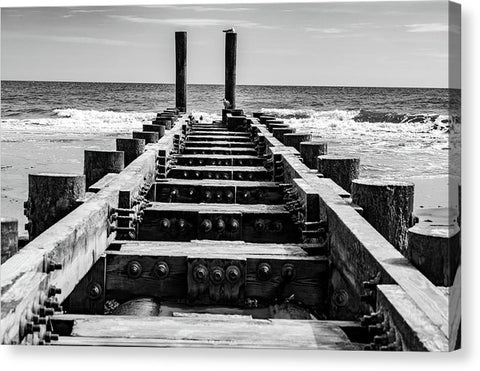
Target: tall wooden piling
{"points": [[294, 139], [50, 198], [230, 67], [160, 129], [148, 136], [131, 148], [310, 152], [9, 237], [97, 164], [181, 71], [387, 206], [342, 170]]}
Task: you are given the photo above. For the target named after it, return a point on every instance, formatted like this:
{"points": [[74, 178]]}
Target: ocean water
{"points": [[398, 133]]}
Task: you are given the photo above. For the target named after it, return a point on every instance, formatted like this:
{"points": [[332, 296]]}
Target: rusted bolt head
{"points": [[53, 290], [134, 269], [206, 225], [276, 226], [288, 272], [340, 298], [260, 196], [209, 175], [181, 224], [200, 162], [207, 195], [218, 196], [200, 273], [219, 225], [217, 275], [240, 176], [259, 225], [264, 271], [246, 195], [190, 162], [174, 192], [197, 174], [229, 195], [94, 291], [234, 225], [213, 162], [251, 176], [226, 176], [185, 174], [233, 274], [161, 269], [165, 224], [52, 266], [191, 192]]}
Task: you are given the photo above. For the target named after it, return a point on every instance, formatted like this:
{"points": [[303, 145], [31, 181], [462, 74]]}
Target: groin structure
{"points": [[239, 232]]}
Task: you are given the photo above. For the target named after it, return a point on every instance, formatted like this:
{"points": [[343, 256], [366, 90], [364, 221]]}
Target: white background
{"points": [[90, 358]]}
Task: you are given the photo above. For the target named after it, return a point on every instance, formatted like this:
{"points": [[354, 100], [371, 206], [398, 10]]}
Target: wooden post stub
{"points": [[310, 152], [257, 114], [165, 121], [9, 237], [148, 136], [279, 132], [342, 170], [97, 164], [50, 198], [181, 71], [294, 139], [160, 129], [131, 148], [263, 119], [269, 122], [435, 251], [230, 67], [276, 126], [387, 206]]}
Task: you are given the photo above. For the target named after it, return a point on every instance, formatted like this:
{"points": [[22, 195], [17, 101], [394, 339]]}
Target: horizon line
{"points": [[285, 85]]}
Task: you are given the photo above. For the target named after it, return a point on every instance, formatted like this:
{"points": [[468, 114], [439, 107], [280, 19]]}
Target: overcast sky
{"points": [[349, 44]]}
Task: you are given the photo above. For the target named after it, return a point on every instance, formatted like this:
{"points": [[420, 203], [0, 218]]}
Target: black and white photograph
{"points": [[281, 176]]}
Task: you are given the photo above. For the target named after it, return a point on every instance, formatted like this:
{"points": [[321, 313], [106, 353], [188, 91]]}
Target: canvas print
{"points": [[280, 176]]}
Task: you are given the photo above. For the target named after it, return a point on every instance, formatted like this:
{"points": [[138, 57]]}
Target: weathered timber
{"points": [[165, 121], [415, 328], [435, 251], [219, 143], [294, 139], [148, 136], [202, 331], [230, 68], [97, 164], [185, 222], [219, 151], [218, 160], [217, 191], [76, 242], [181, 71], [131, 148], [342, 170], [160, 129], [215, 138], [9, 237], [217, 132], [280, 132], [387, 206], [102, 183], [220, 172], [50, 198], [310, 152]]}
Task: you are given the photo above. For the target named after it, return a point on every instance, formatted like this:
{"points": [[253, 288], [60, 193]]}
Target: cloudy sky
{"points": [[350, 44]]}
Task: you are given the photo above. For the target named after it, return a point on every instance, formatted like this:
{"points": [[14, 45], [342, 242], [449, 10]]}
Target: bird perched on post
{"points": [[230, 30], [226, 103]]}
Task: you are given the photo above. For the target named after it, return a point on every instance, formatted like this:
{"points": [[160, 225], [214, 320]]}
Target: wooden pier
{"points": [[219, 234]]}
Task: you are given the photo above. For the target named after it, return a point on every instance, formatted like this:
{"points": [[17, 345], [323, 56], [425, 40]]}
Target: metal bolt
{"points": [[51, 266], [45, 312], [233, 274], [174, 193], [200, 273], [218, 195], [246, 195], [206, 225], [288, 272], [134, 269], [234, 225], [197, 174], [264, 271], [240, 176], [207, 196], [30, 327], [217, 275], [219, 225], [185, 174], [276, 226], [226, 176], [53, 290], [229, 195], [181, 224], [50, 337], [165, 224], [161, 270], [94, 291], [259, 225]]}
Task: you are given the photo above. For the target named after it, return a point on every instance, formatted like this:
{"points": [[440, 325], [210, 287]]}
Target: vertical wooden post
{"points": [[131, 148], [50, 198], [97, 164], [294, 139], [181, 71], [310, 152], [280, 132], [9, 236], [230, 67], [387, 206], [342, 170], [148, 136]]}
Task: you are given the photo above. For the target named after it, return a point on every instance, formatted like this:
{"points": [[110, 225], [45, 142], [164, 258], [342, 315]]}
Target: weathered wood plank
{"points": [[219, 151], [219, 143], [202, 332], [218, 160]]}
